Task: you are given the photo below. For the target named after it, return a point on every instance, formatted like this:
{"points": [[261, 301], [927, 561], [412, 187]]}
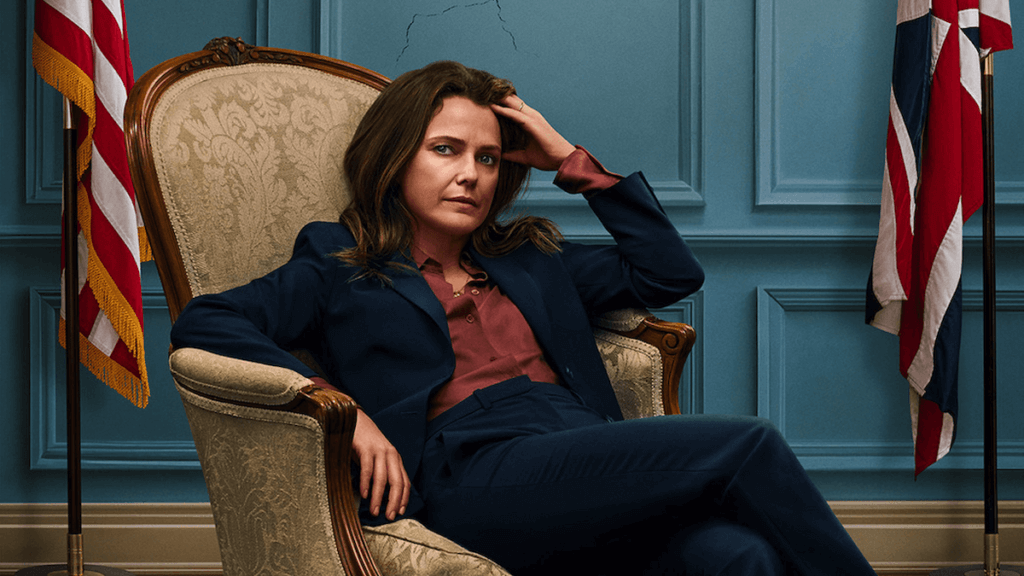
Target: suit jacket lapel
{"points": [[415, 289], [522, 289]]}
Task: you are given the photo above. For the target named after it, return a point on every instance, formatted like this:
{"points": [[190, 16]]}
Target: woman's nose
{"points": [[468, 170]]}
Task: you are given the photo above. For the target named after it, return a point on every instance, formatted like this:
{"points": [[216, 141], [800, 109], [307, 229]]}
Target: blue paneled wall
{"points": [[760, 124]]}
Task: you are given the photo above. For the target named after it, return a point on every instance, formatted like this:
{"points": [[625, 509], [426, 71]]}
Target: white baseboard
{"points": [[154, 539], [899, 538], [919, 537]]}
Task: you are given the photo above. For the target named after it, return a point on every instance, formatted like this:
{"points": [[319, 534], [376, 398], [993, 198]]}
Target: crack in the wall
{"points": [[497, 4], [503, 24]]}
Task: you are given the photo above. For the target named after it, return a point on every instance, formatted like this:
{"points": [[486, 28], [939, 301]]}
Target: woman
{"points": [[464, 335]]}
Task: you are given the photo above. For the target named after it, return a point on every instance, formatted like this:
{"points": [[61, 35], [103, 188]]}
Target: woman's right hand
{"points": [[546, 149], [380, 466]]}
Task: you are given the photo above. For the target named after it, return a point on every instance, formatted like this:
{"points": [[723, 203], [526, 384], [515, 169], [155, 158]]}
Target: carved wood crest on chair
{"points": [[232, 150]]}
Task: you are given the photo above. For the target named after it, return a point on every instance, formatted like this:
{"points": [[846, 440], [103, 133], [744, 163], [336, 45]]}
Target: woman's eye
{"points": [[443, 149], [488, 160]]}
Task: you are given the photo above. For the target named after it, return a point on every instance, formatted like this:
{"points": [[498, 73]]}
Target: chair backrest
{"points": [[232, 150]]}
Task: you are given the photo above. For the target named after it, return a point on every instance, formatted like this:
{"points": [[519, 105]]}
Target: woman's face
{"points": [[449, 184]]}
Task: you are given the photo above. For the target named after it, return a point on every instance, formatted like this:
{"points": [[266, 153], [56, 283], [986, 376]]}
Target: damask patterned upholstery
{"points": [[265, 474], [407, 548], [242, 157], [246, 156], [633, 366]]}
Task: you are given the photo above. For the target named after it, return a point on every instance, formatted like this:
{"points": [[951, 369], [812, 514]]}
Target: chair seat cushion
{"points": [[407, 547]]}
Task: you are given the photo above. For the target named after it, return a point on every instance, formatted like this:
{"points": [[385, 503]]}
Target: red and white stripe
{"points": [[81, 48]]}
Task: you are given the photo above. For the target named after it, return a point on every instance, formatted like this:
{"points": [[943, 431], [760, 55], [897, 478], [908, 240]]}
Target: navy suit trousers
{"points": [[527, 475]]}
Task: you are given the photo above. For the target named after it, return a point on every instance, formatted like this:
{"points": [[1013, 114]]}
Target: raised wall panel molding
{"points": [[44, 149], [329, 28], [48, 448], [773, 186], [773, 305], [43, 142], [29, 236], [691, 384], [684, 190], [263, 24], [1009, 193], [764, 239]]}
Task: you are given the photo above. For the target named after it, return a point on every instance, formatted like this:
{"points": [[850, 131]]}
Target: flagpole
{"points": [[69, 225], [988, 224], [74, 431], [991, 565]]}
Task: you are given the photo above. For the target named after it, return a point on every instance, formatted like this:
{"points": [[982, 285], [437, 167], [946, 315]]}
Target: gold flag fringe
{"points": [[110, 299], [71, 81], [67, 78], [145, 250], [111, 373]]}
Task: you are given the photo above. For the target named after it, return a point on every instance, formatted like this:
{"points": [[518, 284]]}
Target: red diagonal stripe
{"points": [[995, 34], [939, 192], [110, 41], [117, 259], [88, 309], [109, 140], [124, 357]]}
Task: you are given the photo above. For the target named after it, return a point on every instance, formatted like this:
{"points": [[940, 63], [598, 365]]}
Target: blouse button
{"points": [[475, 292], [470, 318]]}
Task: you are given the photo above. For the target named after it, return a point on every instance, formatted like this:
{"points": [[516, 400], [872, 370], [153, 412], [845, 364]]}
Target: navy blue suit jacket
{"points": [[389, 347]]}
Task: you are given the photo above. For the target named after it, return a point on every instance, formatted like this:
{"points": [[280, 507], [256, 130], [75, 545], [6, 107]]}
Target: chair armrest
{"points": [[232, 380], [243, 384], [673, 341]]}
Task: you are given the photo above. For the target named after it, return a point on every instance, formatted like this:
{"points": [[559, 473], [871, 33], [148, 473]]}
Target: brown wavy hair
{"points": [[383, 145]]}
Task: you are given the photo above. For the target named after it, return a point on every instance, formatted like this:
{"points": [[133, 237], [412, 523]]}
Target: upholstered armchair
{"points": [[232, 150]]}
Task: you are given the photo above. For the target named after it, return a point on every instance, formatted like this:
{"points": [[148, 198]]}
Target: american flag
{"points": [[80, 47], [933, 182]]}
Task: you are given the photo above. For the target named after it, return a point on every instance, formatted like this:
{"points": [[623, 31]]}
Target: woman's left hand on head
{"points": [[545, 148]]}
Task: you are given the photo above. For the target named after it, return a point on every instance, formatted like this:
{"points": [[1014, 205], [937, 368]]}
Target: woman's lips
{"points": [[462, 200]]}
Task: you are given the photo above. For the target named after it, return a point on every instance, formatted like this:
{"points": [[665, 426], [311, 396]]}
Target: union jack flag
{"points": [[80, 47], [932, 184]]}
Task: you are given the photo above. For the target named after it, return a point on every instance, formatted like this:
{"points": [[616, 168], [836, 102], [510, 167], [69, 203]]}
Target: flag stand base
{"points": [[62, 570], [75, 566]]}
